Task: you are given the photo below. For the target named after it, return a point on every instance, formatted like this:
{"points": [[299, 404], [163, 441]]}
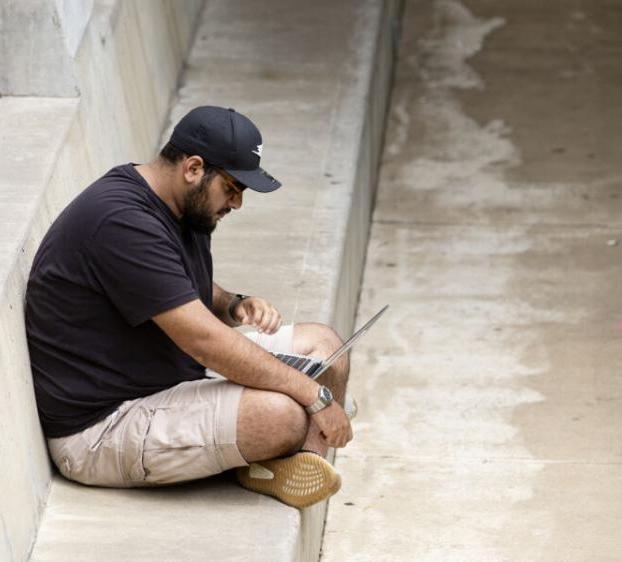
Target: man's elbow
{"points": [[194, 329]]}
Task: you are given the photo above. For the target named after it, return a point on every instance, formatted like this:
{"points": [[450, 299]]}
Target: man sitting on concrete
{"points": [[123, 318]]}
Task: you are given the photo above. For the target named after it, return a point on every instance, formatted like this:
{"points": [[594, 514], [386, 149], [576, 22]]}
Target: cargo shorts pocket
{"points": [[95, 435], [179, 444], [64, 467]]}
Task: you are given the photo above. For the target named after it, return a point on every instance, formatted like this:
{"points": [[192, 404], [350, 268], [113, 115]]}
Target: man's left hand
{"points": [[258, 312]]}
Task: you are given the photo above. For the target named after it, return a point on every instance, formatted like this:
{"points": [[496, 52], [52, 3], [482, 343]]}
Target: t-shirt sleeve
{"points": [[137, 264]]}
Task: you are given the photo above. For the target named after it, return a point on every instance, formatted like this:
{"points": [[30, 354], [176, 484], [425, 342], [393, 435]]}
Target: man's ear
{"points": [[192, 168]]}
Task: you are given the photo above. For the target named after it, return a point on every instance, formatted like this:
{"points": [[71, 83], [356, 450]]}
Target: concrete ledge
{"points": [[315, 79], [192, 522]]}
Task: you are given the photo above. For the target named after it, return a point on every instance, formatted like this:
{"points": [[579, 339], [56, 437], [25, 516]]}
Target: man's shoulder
{"points": [[121, 187], [117, 200], [119, 196]]}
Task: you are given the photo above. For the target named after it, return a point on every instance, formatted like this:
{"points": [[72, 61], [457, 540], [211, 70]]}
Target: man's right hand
{"points": [[334, 425]]}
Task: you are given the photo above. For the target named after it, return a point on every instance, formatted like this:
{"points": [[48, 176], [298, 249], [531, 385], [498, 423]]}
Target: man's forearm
{"points": [[221, 300], [197, 332], [241, 361]]}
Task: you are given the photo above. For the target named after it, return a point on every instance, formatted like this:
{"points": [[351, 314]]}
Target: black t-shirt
{"points": [[113, 259]]}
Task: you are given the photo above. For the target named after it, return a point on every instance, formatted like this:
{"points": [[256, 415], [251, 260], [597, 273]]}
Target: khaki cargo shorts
{"points": [[182, 433]]}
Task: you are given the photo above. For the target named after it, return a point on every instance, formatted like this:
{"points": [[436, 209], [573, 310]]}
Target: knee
{"points": [[315, 338], [322, 341]]}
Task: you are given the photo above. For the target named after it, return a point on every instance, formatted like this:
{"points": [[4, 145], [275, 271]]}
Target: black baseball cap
{"points": [[226, 139]]}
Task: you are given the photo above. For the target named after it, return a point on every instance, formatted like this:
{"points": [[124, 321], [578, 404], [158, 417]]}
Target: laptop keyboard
{"points": [[307, 365]]}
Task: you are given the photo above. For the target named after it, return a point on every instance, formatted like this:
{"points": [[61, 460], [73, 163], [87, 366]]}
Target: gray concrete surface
{"points": [[36, 43], [28, 153], [193, 522], [314, 77], [490, 424]]}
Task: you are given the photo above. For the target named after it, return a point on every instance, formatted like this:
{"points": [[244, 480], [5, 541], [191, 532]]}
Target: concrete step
{"points": [[32, 135], [315, 78]]}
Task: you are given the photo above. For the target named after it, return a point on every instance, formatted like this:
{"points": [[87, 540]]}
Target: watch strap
{"points": [[238, 298], [316, 407]]}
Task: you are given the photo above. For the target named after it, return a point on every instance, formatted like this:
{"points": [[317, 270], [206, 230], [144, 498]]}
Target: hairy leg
{"points": [[319, 340], [269, 425], [273, 425]]}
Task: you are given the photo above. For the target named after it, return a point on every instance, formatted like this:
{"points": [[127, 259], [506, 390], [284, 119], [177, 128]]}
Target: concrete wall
{"points": [[34, 59], [128, 55], [74, 16]]}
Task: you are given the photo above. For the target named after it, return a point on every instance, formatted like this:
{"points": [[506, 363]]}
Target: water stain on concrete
{"points": [[439, 400]]}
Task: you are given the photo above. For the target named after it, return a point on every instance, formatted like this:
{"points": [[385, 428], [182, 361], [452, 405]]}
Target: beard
{"points": [[198, 214]]}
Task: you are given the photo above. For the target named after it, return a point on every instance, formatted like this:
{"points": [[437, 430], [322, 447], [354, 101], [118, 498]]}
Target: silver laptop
{"points": [[314, 367]]}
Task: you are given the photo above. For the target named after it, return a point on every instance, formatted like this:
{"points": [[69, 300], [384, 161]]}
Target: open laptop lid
{"points": [[349, 343]]}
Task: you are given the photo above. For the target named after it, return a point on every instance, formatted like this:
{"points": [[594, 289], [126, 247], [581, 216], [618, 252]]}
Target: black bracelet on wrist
{"points": [[238, 298]]}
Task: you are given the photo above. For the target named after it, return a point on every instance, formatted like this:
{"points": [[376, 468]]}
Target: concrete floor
{"points": [[490, 421]]}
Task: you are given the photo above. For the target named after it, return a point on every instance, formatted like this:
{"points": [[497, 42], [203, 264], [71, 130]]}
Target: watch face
{"points": [[325, 394]]}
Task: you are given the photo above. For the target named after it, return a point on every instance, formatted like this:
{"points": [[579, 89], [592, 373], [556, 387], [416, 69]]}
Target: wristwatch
{"points": [[234, 302], [324, 399]]}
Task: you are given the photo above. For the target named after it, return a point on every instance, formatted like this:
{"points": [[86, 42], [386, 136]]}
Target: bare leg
{"points": [[270, 425], [318, 340]]}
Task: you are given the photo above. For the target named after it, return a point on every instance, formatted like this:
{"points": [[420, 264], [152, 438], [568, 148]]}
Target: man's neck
{"points": [[161, 178]]}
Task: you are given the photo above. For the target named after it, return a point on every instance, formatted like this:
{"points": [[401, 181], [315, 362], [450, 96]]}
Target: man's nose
{"points": [[236, 200]]}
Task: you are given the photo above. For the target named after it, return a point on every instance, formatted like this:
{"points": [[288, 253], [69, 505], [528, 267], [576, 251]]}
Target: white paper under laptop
{"points": [[314, 367]]}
